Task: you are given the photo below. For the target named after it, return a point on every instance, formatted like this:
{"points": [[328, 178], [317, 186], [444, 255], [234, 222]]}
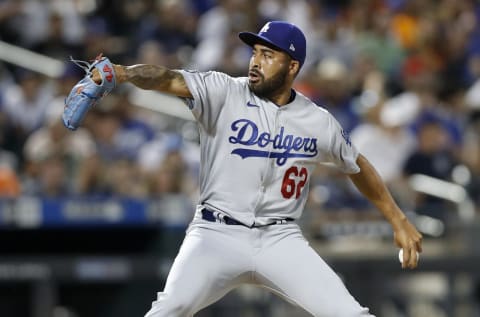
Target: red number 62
{"points": [[289, 183]]}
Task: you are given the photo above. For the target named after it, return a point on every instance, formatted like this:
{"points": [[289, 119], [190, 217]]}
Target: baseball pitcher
{"points": [[260, 142]]}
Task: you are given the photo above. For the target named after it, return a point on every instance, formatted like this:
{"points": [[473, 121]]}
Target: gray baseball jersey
{"points": [[257, 158]]}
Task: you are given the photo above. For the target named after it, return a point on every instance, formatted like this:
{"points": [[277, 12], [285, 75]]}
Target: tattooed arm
{"points": [[151, 77]]}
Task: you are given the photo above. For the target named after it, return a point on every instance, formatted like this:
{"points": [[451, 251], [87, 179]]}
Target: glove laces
{"points": [[86, 66]]}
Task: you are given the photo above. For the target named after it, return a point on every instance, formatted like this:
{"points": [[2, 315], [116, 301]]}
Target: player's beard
{"points": [[267, 88]]}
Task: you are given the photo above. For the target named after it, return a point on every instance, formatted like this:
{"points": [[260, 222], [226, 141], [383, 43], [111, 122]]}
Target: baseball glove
{"points": [[86, 92]]}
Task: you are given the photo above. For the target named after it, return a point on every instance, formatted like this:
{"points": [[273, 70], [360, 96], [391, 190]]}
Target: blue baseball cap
{"points": [[281, 35]]}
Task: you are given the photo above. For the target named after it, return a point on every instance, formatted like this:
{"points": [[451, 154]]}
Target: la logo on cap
{"points": [[292, 48], [265, 28]]}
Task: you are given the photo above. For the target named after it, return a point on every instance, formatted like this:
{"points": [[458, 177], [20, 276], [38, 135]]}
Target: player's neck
{"points": [[284, 97]]}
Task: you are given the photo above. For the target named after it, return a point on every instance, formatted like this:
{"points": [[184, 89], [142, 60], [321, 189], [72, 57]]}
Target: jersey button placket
{"points": [[278, 125], [271, 163], [276, 131]]}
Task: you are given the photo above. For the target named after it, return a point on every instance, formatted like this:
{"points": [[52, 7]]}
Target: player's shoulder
{"points": [[237, 84], [218, 77], [207, 73]]}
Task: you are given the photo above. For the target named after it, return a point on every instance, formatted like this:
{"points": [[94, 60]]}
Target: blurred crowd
{"points": [[401, 76]]}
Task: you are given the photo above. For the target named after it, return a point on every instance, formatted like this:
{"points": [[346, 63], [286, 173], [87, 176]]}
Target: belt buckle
{"points": [[208, 215], [215, 216]]}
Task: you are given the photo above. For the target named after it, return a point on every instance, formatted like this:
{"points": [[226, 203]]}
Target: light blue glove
{"points": [[86, 92]]}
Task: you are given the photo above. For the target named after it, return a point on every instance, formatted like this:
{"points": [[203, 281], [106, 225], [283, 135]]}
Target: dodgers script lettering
{"points": [[282, 146]]}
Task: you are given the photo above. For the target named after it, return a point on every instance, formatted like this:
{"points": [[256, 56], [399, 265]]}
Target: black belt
{"points": [[211, 216]]}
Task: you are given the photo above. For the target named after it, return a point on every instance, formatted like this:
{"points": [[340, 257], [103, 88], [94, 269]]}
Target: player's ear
{"points": [[294, 67]]}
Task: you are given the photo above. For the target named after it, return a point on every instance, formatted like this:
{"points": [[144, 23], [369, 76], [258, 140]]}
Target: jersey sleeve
{"points": [[209, 91], [342, 152]]}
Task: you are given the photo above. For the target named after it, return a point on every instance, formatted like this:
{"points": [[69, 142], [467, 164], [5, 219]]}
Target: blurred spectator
{"points": [[104, 125], [54, 157], [170, 23], [133, 131], [445, 117], [122, 17], [51, 179], [335, 40], [386, 143], [123, 178], [298, 12], [54, 45], [7, 138], [10, 10], [471, 154], [170, 175], [9, 183], [434, 157], [118, 136], [377, 44], [168, 186], [6, 80], [214, 29], [420, 95], [335, 92], [52, 27], [163, 149], [152, 52], [405, 22], [101, 40], [472, 97], [24, 105]]}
